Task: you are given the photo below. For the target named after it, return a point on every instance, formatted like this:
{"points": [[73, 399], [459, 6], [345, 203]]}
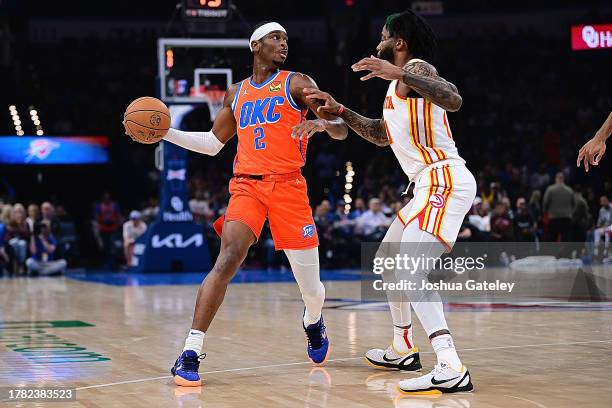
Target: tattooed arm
{"points": [[420, 76], [424, 79], [372, 130]]}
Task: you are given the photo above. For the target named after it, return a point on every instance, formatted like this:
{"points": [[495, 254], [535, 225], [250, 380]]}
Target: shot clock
{"points": [[212, 10]]}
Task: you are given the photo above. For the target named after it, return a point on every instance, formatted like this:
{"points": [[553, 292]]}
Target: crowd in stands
{"points": [[519, 134], [33, 241]]}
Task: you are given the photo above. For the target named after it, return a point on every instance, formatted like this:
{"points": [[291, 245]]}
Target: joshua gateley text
{"points": [[470, 284]]}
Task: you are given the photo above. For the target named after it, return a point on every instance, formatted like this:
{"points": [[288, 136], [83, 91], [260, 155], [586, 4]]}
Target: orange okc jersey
{"points": [[265, 115]]}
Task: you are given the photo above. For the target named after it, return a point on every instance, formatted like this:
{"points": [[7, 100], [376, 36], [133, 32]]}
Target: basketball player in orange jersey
{"points": [[415, 125], [267, 111]]}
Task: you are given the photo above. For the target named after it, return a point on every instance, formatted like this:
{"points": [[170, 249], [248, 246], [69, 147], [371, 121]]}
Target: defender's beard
{"points": [[386, 54]]}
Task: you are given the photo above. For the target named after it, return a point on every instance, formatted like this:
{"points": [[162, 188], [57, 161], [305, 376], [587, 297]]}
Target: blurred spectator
{"points": [[17, 235], [501, 224], [4, 258], [481, 218], [150, 211], [33, 216], [48, 215], [581, 218], [323, 221], [358, 209], [132, 229], [540, 179], [108, 221], [524, 223], [200, 209], [559, 203], [468, 232], [603, 228], [42, 247], [373, 223], [342, 225], [535, 206]]}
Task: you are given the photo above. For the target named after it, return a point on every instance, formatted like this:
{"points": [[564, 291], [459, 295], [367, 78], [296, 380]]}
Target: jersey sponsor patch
{"points": [[276, 86]]}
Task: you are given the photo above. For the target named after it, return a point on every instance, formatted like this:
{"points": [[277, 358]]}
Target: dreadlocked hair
{"points": [[416, 32]]}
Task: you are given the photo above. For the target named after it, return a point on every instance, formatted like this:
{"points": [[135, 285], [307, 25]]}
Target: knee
{"points": [[31, 264], [314, 292], [230, 258]]}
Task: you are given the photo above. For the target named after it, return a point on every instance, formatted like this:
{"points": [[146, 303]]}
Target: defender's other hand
{"points": [[378, 68], [591, 153]]}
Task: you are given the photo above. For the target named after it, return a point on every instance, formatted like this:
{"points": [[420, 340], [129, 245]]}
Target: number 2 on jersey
{"points": [[259, 136]]}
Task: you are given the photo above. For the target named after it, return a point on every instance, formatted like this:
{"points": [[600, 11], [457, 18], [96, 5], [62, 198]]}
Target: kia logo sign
{"points": [[176, 241]]}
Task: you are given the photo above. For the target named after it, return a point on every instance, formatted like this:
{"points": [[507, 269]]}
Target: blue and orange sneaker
{"points": [[185, 370], [318, 343]]}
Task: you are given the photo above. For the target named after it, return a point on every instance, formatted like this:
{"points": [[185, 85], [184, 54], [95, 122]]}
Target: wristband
{"points": [[340, 110]]}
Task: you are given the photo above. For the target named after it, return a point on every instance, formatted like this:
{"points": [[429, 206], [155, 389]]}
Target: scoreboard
{"points": [[211, 10]]}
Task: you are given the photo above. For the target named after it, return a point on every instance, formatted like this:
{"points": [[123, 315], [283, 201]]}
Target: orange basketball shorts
{"points": [[282, 199]]}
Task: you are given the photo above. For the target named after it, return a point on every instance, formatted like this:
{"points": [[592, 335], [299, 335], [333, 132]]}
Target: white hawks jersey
{"points": [[418, 132]]}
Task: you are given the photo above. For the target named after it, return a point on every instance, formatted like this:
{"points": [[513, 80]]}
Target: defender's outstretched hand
{"points": [[329, 104], [594, 149], [378, 68], [591, 152]]}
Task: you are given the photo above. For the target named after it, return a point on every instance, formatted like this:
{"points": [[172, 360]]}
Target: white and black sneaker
{"points": [[442, 379], [390, 358]]}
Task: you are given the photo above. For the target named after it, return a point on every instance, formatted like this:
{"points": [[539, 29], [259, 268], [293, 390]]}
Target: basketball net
{"points": [[214, 98]]}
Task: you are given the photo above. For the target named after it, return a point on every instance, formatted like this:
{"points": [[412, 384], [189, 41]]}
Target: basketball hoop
{"points": [[214, 98]]}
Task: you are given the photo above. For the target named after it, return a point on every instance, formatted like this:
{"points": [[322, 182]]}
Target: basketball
{"points": [[146, 120]]}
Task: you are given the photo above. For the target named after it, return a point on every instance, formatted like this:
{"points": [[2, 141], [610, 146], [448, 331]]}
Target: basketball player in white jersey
{"points": [[416, 127]]}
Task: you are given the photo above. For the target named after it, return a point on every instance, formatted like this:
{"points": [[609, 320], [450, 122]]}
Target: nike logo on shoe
{"points": [[438, 382], [392, 360]]}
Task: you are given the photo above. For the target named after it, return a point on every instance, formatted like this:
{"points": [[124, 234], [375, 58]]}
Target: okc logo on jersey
{"points": [[260, 111], [437, 200], [309, 231]]}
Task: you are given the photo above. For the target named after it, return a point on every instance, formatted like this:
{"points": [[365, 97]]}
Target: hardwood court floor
{"points": [[256, 349]]}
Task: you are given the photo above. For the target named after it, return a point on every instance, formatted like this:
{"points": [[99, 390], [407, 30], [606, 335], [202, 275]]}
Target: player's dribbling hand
{"points": [[329, 104], [308, 128], [591, 152], [378, 68]]}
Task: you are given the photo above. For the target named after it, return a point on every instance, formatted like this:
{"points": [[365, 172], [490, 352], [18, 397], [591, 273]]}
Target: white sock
{"points": [[402, 326], [194, 341], [444, 347], [402, 338]]}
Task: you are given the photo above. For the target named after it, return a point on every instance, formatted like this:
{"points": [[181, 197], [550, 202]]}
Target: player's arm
{"points": [[210, 143], [325, 122], [594, 149], [372, 130], [420, 76]]}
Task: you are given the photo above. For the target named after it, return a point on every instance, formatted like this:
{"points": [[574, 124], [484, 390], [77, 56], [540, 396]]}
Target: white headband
{"points": [[264, 30]]}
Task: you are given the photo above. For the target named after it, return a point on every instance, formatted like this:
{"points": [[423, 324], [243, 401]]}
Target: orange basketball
{"points": [[146, 120]]}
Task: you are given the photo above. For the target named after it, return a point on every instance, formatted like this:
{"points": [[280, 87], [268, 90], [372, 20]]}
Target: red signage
{"points": [[591, 37]]}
